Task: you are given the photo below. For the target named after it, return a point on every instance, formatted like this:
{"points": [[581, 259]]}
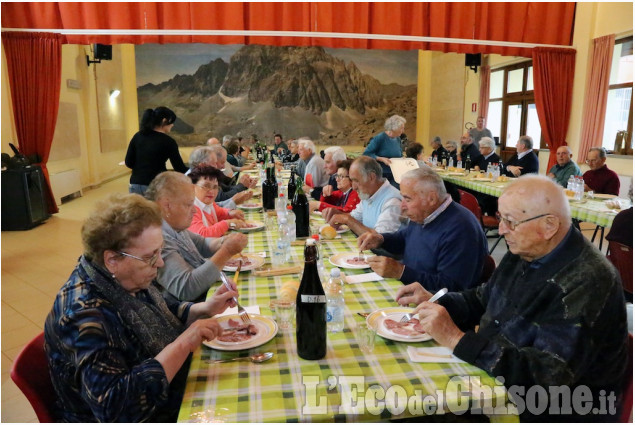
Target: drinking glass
{"points": [[284, 313], [365, 336]]}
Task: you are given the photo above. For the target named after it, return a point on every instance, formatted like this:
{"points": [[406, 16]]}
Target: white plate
{"points": [[250, 206], [376, 321], [604, 196], [342, 229], [267, 329], [256, 261], [339, 260], [259, 225]]}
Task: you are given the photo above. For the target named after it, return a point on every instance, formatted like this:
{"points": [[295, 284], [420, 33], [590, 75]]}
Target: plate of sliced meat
{"points": [[252, 226], [250, 206], [349, 261], [387, 322], [250, 262], [237, 336]]}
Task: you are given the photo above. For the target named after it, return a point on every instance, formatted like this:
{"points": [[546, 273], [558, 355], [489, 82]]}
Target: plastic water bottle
{"points": [[335, 302], [281, 251], [579, 193], [459, 164], [281, 206], [450, 162], [571, 182], [291, 223]]}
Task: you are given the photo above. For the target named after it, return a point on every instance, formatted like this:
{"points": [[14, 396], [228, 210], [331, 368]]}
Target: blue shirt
{"points": [[387, 147], [447, 252]]}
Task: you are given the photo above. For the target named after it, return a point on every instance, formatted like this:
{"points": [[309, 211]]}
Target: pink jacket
{"points": [[215, 228]]}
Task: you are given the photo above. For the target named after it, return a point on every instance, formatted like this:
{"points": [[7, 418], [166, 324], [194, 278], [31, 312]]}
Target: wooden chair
{"points": [[30, 372], [488, 223], [622, 258]]}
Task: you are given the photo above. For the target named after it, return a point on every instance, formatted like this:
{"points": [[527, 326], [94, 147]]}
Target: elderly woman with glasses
{"points": [[211, 220], [117, 349], [345, 198], [192, 262]]}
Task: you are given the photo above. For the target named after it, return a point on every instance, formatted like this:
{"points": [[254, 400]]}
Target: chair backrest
{"points": [[627, 389], [489, 265], [30, 372], [469, 201], [622, 258]]}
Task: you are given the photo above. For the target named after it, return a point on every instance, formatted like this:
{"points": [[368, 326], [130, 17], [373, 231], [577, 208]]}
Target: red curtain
{"points": [[35, 69], [596, 95], [553, 89], [539, 23]]}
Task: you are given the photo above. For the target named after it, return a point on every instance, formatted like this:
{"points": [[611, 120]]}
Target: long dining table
{"points": [[347, 384], [590, 210]]}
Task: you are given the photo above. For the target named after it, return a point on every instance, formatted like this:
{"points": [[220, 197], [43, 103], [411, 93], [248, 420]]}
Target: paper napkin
{"points": [[366, 277], [432, 355]]}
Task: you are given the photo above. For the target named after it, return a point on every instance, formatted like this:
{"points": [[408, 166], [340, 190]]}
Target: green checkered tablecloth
{"points": [[383, 385], [588, 210]]}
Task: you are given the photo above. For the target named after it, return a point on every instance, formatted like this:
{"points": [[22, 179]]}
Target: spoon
{"points": [[433, 299], [254, 358]]}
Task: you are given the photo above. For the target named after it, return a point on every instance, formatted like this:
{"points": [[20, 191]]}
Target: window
{"points": [[618, 123], [512, 109]]}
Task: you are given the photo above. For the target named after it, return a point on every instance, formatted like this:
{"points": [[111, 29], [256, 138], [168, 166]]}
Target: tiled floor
{"points": [[35, 264]]}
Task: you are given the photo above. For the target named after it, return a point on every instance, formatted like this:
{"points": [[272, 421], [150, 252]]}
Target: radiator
{"points": [[64, 184]]}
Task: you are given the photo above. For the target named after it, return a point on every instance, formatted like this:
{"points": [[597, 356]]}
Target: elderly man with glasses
{"points": [[599, 178], [551, 315]]}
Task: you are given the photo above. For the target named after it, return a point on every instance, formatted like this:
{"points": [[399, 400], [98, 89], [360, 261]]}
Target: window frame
{"points": [[628, 150], [524, 97]]}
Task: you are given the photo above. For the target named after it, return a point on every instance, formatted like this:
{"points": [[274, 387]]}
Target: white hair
{"points": [[424, 178], [306, 143], [337, 153], [394, 123], [487, 142]]}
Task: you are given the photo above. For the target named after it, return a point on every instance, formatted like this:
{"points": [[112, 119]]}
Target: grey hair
{"points": [[227, 138], [487, 142], [600, 151], [218, 150], [426, 178], [436, 139], [452, 143], [200, 155], [527, 141], [167, 183], [306, 143], [337, 153], [368, 165], [394, 123], [293, 142]]}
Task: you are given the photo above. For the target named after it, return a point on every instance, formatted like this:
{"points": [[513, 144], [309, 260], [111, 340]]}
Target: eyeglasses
{"points": [[208, 187], [588, 161], [149, 261], [512, 224], [339, 176]]}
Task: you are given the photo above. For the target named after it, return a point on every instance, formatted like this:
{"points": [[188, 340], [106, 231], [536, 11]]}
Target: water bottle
{"points": [[291, 223], [450, 162], [579, 193], [571, 182], [335, 302], [281, 206], [283, 243], [459, 164]]}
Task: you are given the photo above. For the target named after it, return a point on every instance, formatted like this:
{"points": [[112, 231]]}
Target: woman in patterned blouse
{"points": [[118, 350]]}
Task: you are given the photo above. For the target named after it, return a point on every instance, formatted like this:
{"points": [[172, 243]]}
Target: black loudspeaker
{"points": [[104, 52], [470, 59], [23, 202]]}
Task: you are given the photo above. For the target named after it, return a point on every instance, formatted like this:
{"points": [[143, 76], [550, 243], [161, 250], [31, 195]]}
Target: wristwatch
{"points": [[232, 226]]}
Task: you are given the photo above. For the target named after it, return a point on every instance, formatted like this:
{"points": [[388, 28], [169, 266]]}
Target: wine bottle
{"points": [[300, 206], [269, 190], [311, 309], [468, 163], [291, 186]]}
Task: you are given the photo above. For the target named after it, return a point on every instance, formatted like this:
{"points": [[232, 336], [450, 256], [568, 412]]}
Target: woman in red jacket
{"points": [[344, 198], [210, 220]]}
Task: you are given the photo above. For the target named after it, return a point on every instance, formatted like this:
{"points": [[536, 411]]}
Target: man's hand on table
{"points": [[336, 218], [243, 196], [515, 170], [386, 267], [327, 213], [413, 293], [436, 321]]}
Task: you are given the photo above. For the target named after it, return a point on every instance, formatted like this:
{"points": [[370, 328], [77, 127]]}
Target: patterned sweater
{"points": [[559, 320]]}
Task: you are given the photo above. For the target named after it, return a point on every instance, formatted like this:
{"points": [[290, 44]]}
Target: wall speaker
{"points": [[473, 61], [104, 52]]}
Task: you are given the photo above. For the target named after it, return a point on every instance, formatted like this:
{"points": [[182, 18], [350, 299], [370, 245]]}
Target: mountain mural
{"points": [[296, 91]]}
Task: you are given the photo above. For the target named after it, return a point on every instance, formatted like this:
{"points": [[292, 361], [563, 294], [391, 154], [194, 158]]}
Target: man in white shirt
{"points": [[380, 207], [314, 174]]}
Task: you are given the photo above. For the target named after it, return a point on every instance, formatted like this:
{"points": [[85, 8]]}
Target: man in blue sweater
{"points": [[442, 246]]}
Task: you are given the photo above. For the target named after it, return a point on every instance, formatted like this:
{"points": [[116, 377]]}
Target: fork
{"points": [[433, 299], [241, 311]]}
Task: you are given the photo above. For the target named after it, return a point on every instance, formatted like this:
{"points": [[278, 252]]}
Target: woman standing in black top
{"points": [[151, 147]]}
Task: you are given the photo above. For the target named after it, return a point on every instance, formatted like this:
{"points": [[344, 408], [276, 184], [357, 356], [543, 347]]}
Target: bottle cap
{"points": [[282, 195], [335, 272], [315, 237], [289, 207]]}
